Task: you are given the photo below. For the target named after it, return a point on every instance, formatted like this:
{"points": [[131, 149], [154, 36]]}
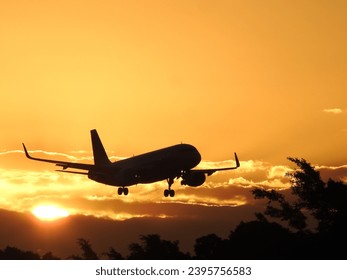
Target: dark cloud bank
{"points": [[24, 231]]}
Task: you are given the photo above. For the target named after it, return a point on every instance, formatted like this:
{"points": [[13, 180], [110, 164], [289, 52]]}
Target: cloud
{"points": [[337, 173], [30, 184], [246, 165], [333, 111], [217, 206], [278, 171], [276, 183], [185, 223]]}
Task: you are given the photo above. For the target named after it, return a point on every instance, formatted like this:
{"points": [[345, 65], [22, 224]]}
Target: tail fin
{"points": [[100, 156]]}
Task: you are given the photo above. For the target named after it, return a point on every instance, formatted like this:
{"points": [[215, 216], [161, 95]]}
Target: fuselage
{"points": [[150, 167], [168, 164]]}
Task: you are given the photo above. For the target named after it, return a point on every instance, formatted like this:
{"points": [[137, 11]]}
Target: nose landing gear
{"points": [[123, 190]]}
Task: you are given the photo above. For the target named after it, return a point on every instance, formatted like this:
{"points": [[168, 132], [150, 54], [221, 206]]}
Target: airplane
{"points": [[168, 164]]}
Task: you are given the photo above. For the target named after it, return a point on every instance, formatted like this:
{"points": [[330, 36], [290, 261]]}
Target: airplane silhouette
{"points": [[169, 163]]}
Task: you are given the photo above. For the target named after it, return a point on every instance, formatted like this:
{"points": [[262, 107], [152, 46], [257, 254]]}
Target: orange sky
{"points": [[264, 78]]}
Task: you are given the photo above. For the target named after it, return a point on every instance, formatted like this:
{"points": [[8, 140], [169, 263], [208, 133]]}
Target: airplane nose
{"points": [[190, 156], [196, 156]]}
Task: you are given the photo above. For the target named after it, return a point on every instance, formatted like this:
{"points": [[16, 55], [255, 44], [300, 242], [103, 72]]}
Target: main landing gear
{"points": [[169, 191], [123, 190]]}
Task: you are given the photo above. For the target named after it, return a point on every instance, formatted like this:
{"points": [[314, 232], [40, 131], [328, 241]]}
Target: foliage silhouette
{"points": [[13, 253], [87, 251], [325, 203], [153, 247], [49, 256], [259, 240], [209, 247], [112, 254]]}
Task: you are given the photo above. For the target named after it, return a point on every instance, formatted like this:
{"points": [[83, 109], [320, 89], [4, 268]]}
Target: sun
{"points": [[49, 212]]}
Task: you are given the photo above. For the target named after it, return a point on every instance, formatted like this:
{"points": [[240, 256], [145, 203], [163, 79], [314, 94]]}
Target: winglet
{"points": [[237, 161], [26, 152]]}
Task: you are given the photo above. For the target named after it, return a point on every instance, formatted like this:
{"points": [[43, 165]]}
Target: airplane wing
{"points": [[63, 164], [211, 171]]}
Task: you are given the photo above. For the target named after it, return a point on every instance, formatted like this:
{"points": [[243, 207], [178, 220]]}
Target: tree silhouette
{"points": [[87, 251], [260, 240], [153, 248], [209, 247], [13, 253], [49, 256], [279, 207], [324, 202], [112, 254], [314, 199]]}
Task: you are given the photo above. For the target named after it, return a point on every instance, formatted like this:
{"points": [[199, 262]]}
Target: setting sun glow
{"points": [[49, 213]]}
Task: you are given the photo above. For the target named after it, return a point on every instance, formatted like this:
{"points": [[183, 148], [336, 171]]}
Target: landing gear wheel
{"points": [[170, 193], [125, 191]]}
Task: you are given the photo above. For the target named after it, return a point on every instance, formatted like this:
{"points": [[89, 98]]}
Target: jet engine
{"points": [[193, 179]]}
